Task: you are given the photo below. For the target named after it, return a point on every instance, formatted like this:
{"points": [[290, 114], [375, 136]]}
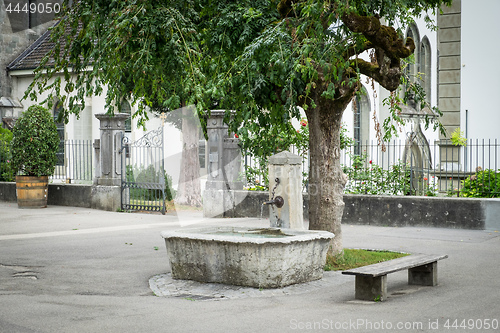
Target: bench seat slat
{"points": [[394, 265]]}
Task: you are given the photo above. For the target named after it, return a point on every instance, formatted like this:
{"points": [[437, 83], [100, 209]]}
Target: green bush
{"points": [[6, 171], [483, 184], [373, 179], [35, 143]]}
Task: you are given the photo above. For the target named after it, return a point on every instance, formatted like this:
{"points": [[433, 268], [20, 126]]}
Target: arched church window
{"points": [[426, 67], [412, 69], [361, 121]]}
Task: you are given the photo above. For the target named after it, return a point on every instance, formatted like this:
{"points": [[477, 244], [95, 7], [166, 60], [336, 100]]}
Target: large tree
{"points": [[265, 59], [314, 57]]}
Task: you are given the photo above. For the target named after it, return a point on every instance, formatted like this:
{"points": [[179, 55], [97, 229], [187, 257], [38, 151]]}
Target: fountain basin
{"points": [[253, 257]]}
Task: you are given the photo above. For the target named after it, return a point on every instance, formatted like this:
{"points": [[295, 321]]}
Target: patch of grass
{"points": [[353, 258]]}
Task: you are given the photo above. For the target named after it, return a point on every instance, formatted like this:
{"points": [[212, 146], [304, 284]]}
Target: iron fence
{"points": [[74, 162], [398, 167], [412, 167]]}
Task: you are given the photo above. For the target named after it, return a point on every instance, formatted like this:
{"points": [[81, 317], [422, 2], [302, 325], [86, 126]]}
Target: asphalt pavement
{"points": [[67, 269]]}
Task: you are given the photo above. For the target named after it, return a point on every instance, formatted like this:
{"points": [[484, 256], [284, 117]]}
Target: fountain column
{"points": [[285, 181]]}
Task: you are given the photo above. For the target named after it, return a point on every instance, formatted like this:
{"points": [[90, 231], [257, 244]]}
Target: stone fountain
{"points": [[273, 257], [254, 257]]}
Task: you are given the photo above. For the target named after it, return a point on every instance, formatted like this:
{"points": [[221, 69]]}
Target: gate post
{"points": [[106, 192], [224, 166]]}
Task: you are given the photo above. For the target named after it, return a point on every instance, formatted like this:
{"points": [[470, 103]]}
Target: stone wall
{"points": [[74, 195], [59, 194], [390, 211], [396, 211]]}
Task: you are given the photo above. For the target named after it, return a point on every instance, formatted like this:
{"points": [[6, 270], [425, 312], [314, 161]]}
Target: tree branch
{"points": [[380, 35], [389, 49], [353, 50], [387, 76]]}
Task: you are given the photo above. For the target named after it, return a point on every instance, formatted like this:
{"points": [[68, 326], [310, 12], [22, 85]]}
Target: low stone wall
{"points": [[8, 191], [59, 194], [70, 195], [75, 195], [391, 211], [404, 211]]}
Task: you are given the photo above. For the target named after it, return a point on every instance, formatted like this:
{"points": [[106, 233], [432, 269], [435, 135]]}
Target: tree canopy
{"points": [[258, 54]]}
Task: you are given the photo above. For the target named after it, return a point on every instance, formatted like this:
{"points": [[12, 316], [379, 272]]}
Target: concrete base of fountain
{"points": [[261, 258]]}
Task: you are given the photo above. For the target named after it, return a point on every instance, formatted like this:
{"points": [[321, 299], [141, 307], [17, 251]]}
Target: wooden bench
{"points": [[371, 280]]}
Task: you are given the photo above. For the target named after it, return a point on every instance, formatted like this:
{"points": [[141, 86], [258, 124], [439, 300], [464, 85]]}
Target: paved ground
{"points": [[66, 269]]}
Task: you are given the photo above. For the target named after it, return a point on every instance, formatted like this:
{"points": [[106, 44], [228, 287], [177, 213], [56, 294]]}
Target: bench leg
{"points": [[371, 288], [425, 275]]}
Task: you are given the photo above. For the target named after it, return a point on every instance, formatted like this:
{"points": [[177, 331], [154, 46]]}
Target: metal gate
{"points": [[143, 173]]}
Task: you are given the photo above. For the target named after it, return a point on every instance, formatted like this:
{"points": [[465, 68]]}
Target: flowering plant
{"points": [[427, 187], [368, 178]]}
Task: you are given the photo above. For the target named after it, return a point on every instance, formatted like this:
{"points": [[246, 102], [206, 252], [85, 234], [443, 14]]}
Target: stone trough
{"points": [[253, 257]]}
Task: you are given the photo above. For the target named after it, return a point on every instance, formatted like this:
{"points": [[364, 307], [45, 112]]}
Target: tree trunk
{"points": [[189, 191], [326, 179]]}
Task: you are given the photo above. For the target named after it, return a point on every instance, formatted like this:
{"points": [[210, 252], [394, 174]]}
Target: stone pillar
{"points": [[106, 192], [112, 129], [224, 164], [371, 288], [287, 169], [425, 275], [449, 20]]}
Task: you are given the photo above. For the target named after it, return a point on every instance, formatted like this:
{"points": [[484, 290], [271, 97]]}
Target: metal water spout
{"points": [[278, 202]]}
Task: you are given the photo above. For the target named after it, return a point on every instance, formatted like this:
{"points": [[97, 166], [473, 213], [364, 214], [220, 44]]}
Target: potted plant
{"points": [[34, 147]]}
